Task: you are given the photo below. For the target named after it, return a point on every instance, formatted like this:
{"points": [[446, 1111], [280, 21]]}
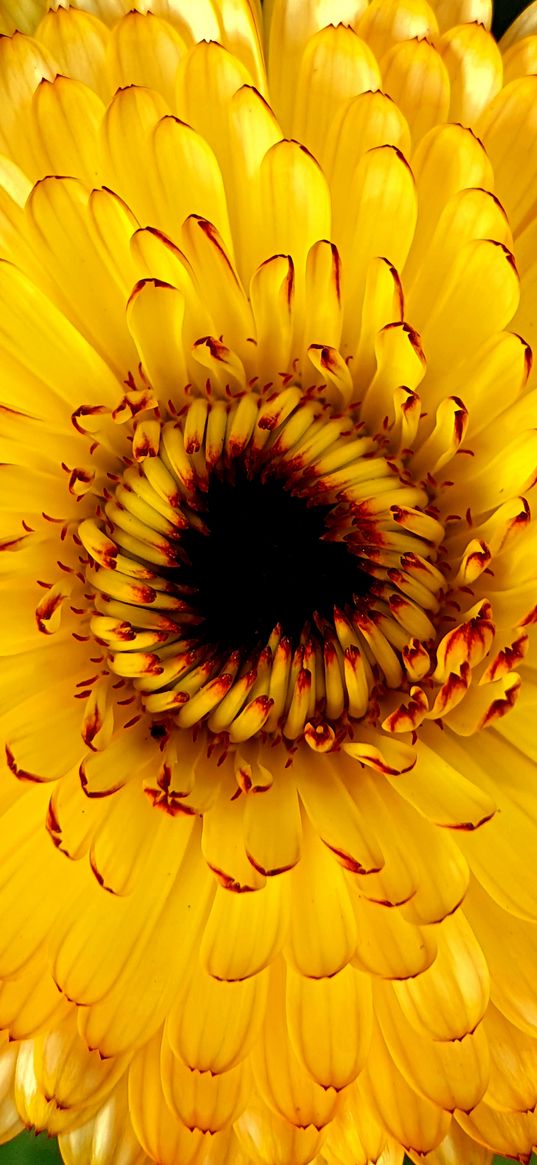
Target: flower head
{"points": [[268, 570]]}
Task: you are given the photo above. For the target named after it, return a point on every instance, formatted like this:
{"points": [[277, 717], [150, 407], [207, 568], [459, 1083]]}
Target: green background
{"points": [[29, 1149]]}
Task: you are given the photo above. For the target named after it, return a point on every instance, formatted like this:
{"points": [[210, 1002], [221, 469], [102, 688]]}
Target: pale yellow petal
{"points": [[474, 63], [144, 50], [78, 41], [415, 77], [336, 66], [290, 27]]}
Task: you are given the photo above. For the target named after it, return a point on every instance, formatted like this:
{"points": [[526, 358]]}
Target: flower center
{"points": [[263, 566], [264, 559]]}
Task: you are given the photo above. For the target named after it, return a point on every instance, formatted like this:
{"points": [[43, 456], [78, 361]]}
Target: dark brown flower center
{"points": [[264, 559]]}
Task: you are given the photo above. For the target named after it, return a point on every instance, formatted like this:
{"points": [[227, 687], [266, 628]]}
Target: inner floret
{"points": [[263, 567]]}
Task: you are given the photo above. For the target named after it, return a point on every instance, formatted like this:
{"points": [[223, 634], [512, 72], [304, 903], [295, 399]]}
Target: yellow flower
{"points": [[267, 882]]}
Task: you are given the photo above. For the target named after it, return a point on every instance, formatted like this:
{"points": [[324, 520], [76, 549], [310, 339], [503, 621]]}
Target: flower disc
{"points": [[302, 510]]}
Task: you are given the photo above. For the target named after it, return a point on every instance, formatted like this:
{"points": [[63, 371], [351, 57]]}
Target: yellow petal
{"points": [[232, 1019], [513, 1133], [283, 1082], [31, 1003], [163, 1136], [415, 77], [295, 205], [105, 1137], [462, 317], [14, 182], [194, 23], [448, 1000], [415, 1122], [271, 297], [203, 1100], [223, 844], [114, 224], [67, 1073], [336, 66], [451, 1073], [22, 728], [157, 257], [130, 120], [524, 319], [443, 793], [144, 50], [36, 1109], [474, 63], [78, 41], [499, 864], [468, 214], [499, 370], [451, 12], [291, 25], [142, 993], [58, 107], [32, 327], [119, 867], [520, 60], [22, 16], [242, 26], [513, 1076], [336, 818], [189, 179], [382, 305], [508, 943], [71, 818], [506, 127], [131, 919], [272, 826], [207, 80], [223, 290], [322, 932], [382, 194], [155, 308], [330, 1024], [267, 1137], [387, 945], [23, 64], [253, 129], [448, 159], [385, 23], [324, 296], [396, 882], [58, 230], [124, 756], [456, 1147], [245, 931]]}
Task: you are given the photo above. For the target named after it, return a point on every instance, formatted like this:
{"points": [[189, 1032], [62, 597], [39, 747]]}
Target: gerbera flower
{"points": [[268, 888]]}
